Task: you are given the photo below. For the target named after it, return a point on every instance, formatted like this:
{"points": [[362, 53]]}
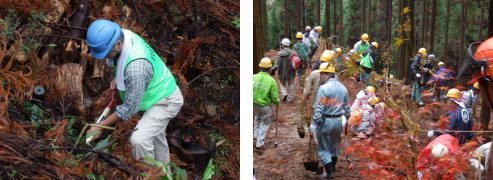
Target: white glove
{"points": [[474, 163], [425, 69], [430, 133], [418, 75], [420, 174], [312, 128]]}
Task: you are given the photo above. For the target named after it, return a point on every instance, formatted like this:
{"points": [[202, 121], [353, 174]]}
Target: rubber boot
{"points": [[334, 162], [328, 169]]}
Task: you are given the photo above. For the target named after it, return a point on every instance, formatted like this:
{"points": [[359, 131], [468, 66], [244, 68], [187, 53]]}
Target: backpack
{"points": [[302, 52], [295, 62], [356, 117]]}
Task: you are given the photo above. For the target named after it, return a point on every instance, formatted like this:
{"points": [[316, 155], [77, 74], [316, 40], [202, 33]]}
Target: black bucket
{"points": [[301, 134], [306, 165], [320, 170], [313, 166]]}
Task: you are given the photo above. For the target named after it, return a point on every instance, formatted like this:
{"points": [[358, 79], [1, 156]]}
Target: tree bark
{"points": [[490, 22], [327, 18], [335, 23], [423, 25], [480, 29], [341, 32], [259, 30], [433, 25], [368, 19], [318, 12], [462, 81], [362, 14], [69, 83], [447, 19]]}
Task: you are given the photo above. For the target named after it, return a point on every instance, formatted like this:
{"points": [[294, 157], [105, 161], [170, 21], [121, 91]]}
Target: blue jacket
{"points": [[460, 120]]}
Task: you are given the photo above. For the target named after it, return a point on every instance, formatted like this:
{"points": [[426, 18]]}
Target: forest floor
{"points": [[285, 160]]}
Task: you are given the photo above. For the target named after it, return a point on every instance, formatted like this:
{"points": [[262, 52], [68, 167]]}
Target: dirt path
{"points": [[285, 160]]}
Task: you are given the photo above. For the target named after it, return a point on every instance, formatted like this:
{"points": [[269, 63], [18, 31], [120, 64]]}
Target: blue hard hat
{"points": [[101, 36]]}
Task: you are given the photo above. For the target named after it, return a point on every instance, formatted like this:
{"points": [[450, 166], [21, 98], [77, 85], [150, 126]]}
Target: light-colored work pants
{"points": [[150, 138], [262, 116]]}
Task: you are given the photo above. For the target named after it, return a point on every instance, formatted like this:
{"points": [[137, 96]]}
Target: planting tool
{"points": [[106, 111], [277, 115], [346, 143]]}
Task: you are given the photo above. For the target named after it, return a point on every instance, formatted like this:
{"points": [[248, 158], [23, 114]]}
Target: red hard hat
{"points": [[485, 51]]}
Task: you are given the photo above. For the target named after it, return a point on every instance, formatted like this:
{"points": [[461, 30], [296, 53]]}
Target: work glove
{"points": [[418, 75], [312, 128], [272, 72], [430, 133], [475, 163], [420, 174]]}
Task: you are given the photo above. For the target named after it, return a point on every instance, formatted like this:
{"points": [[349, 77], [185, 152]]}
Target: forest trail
{"points": [[286, 160]]}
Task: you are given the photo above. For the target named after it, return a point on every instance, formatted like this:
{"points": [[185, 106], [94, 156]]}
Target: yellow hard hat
{"points": [[365, 37], [339, 50], [308, 27], [373, 100], [453, 93], [319, 28], [441, 64], [327, 67], [370, 89], [476, 85], [422, 50], [265, 62], [326, 57], [375, 44], [299, 35]]}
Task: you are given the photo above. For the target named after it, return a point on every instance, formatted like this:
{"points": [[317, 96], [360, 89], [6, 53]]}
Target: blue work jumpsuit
{"points": [[333, 100]]}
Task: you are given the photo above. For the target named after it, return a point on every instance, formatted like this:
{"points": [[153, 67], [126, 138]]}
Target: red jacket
{"points": [[448, 140]]}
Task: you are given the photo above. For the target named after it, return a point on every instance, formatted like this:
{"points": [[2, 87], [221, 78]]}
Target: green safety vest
{"points": [[365, 61], [162, 83], [363, 47]]}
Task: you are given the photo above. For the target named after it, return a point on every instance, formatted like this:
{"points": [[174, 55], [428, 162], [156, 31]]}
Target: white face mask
{"points": [[109, 62]]}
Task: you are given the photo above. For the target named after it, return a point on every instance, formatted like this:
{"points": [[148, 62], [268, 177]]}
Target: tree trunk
{"points": [[265, 26], [484, 115], [335, 23], [298, 15], [368, 19], [400, 72], [258, 37], [407, 47], [286, 20], [318, 12], [341, 32], [69, 82], [389, 21], [423, 25], [490, 22], [433, 25], [447, 19], [462, 80], [481, 16], [362, 14], [327, 18]]}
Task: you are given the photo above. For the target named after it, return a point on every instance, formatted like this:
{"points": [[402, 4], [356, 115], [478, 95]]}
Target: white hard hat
{"points": [[439, 150], [286, 42]]}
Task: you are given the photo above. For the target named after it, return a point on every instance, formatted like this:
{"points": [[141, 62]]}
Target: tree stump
{"points": [[68, 81]]}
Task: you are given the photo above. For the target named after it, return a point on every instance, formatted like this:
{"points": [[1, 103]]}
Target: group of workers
{"points": [[331, 102]]}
